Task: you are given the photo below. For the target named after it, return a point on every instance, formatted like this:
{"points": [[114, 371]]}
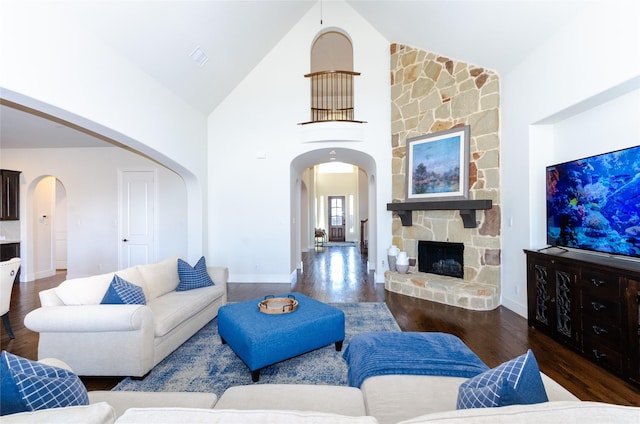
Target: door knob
{"points": [[125, 240]]}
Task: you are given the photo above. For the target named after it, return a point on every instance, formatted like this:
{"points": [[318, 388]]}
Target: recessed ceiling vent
{"points": [[199, 56]]}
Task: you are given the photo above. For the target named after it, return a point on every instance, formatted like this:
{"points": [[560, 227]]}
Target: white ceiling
{"points": [[495, 34]]}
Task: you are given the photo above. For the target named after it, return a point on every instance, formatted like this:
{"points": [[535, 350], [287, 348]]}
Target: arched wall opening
{"points": [[300, 221], [44, 245], [174, 176]]}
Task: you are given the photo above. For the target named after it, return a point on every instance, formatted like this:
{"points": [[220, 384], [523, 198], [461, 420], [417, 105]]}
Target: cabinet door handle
{"points": [[599, 355], [597, 283], [598, 306], [599, 330]]}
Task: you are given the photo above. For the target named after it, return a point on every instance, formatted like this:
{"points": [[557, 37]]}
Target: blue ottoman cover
{"points": [[261, 339]]}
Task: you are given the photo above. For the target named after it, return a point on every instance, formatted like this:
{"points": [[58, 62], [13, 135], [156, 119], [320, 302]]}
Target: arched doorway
{"points": [[47, 232], [299, 178]]}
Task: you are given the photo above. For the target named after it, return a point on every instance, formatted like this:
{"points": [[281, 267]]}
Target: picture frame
{"points": [[437, 166]]}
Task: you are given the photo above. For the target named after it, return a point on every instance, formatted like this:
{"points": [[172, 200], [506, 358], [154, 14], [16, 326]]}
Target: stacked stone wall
{"points": [[431, 93]]}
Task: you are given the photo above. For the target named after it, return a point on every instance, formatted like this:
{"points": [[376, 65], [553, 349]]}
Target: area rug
{"points": [[338, 243], [204, 364]]}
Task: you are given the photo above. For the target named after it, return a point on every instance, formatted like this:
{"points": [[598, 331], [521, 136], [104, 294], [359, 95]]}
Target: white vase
{"points": [[392, 254], [402, 263], [402, 259], [402, 269]]}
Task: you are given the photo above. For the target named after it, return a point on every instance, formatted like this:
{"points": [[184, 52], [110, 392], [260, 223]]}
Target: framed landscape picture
{"points": [[438, 166]]}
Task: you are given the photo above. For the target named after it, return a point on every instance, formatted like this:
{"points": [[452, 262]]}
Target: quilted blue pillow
{"points": [[193, 277], [29, 386], [121, 292], [516, 382]]}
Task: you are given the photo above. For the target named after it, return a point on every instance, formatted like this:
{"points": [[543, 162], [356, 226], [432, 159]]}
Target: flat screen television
{"points": [[593, 203]]}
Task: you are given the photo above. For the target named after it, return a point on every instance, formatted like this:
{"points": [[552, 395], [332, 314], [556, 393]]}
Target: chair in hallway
{"points": [[8, 271]]}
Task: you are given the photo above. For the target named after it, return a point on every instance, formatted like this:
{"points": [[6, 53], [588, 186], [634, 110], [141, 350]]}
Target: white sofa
{"points": [[382, 400], [123, 340]]}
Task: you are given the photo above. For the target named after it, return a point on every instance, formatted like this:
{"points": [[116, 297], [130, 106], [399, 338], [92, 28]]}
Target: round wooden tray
{"points": [[278, 305]]}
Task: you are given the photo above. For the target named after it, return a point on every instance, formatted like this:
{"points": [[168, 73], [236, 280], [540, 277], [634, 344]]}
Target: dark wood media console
{"points": [[589, 303]]}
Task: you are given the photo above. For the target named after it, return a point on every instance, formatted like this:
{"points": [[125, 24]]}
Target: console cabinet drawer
{"points": [[601, 309], [597, 285], [603, 355], [601, 332]]}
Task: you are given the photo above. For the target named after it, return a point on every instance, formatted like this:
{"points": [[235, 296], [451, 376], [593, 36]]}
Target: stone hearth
{"points": [[442, 289]]}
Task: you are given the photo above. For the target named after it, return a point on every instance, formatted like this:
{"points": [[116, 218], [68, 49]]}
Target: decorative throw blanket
{"points": [[382, 353]]}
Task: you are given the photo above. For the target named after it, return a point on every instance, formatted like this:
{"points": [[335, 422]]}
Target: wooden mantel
{"points": [[467, 209]]}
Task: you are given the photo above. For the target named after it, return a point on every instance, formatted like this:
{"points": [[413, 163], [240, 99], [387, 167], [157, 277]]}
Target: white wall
{"points": [[50, 64], [610, 126], [89, 177], [590, 61], [250, 213]]}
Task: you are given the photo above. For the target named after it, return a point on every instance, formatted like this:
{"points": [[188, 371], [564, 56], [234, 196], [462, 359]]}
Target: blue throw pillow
{"points": [[515, 382], [193, 277], [31, 386], [122, 292]]}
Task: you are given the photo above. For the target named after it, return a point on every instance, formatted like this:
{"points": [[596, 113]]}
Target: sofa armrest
{"points": [[55, 362], [50, 298], [219, 275], [556, 392], [88, 318]]}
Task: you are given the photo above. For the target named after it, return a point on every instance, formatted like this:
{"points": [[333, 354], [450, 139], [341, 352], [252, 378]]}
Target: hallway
{"points": [[338, 274]]}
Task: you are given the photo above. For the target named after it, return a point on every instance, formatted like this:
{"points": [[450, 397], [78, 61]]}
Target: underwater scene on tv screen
{"points": [[594, 203]]}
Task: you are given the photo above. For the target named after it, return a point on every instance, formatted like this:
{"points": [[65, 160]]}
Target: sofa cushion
{"points": [[233, 416], [393, 398], [176, 307], [193, 277], [29, 386], [91, 290], [122, 292], [301, 397], [160, 277], [514, 382], [120, 401], [98, 413], [547, 412]]}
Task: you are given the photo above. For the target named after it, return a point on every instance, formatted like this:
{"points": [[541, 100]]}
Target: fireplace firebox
{"points": [[442, 258]]}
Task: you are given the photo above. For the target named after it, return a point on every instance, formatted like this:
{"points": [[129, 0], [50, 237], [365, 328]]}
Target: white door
{"points": [[137, 218]]}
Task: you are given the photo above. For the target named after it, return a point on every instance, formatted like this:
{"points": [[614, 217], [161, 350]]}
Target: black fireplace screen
{"points": [[442, 258]]}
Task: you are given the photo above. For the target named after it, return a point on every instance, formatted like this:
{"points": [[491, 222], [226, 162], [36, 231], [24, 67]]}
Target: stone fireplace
{"points": [[442, 258], [431, 93]]}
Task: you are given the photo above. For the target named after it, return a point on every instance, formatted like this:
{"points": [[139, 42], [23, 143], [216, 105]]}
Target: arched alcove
{"points": [[332, 51], [45, 227], [331, 77]]}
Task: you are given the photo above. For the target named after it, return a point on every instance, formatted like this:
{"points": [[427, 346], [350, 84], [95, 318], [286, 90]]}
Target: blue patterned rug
{"points": [[204, 364]]}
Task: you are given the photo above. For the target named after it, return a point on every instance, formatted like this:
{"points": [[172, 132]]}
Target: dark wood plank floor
{"points": [[339, 274]]}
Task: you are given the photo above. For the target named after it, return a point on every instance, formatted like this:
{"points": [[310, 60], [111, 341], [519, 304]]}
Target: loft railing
{"points": [[331, 96]]}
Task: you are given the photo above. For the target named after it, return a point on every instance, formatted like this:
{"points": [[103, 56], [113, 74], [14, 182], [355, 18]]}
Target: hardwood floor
{"points": [[339, 274]]}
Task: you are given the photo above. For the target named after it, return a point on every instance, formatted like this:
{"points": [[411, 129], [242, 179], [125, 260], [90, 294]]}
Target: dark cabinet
{"points": [[552, 297], [590, 303], [10, 195], [10, 251]]}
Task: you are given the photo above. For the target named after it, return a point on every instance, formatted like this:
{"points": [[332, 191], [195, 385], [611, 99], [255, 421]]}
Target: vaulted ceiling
{"points": [[159, 36]]}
